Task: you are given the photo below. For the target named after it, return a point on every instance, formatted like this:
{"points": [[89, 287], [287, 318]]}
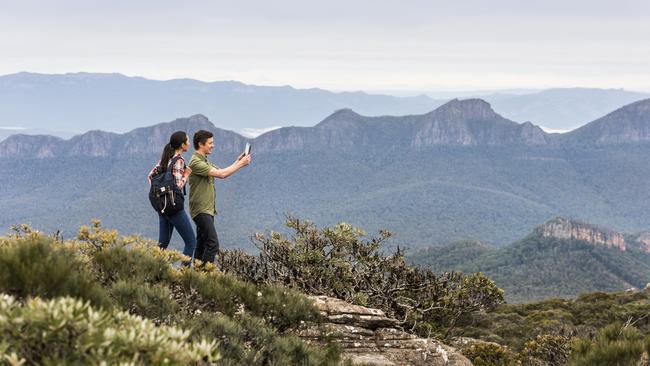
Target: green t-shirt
{"points": [[202, 194]]}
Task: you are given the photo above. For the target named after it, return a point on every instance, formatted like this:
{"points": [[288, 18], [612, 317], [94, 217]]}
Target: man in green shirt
{"points": [[202, 193]]}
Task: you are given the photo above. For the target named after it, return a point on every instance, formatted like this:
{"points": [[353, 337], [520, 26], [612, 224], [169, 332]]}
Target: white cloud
{"points": [[254, 132], [553, 130]]}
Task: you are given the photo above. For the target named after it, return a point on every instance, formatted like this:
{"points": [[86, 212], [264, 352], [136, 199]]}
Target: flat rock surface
{"points": [[368, 337]]}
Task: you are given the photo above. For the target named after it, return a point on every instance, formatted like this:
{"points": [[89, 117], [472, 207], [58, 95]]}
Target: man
{"points": [[202, 193]]}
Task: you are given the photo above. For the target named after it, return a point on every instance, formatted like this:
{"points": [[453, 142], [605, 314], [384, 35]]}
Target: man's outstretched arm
{"points": [[242, 161]]}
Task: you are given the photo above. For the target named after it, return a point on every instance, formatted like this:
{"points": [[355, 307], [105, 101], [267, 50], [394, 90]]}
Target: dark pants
{"points": [[207, 242], [182, 223]]}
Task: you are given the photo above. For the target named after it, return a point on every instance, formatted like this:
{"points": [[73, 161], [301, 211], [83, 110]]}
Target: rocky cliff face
{"points": [[368, 337], [574, 230], [30, 146]]}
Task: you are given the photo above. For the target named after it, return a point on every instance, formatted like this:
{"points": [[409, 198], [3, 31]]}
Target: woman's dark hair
{"points": [[177, 139], [200, 137]]}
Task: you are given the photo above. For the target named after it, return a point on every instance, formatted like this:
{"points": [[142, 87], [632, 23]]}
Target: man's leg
{"points": [[209, 238], [200, 239]]}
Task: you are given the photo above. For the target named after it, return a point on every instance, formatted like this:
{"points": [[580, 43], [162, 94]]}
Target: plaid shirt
{"points": [[178, 171]]}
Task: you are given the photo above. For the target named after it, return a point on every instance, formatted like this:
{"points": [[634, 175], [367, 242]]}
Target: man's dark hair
{"points": [[200, 137]]}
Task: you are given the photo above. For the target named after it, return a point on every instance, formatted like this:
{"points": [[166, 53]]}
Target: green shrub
{"points": [[150, 301], [614, 345], [280, 307], [247, 340], [130, 264], [341, 262], [38, 267], [71, 332], [546, 350], [231, 335], [251, 321], [488, 354]]}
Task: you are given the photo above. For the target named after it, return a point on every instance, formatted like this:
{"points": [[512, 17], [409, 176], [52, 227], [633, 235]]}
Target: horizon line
{"points": [[406, 92]]}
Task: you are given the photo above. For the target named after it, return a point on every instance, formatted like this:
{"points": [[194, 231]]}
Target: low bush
{"points": [[613, 345], [150, 301], [71, 332], [281, 307], [546, 350], [489, 354], [130, 264], [35, 266], [341, 262], [265, 345], [252, 323]]}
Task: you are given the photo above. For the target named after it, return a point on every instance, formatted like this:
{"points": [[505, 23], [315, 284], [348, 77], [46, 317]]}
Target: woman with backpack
{"points": [[167, 180]]}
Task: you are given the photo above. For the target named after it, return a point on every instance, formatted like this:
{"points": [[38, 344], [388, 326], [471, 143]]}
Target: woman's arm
{"points": [[179, 172], [153, 172]]}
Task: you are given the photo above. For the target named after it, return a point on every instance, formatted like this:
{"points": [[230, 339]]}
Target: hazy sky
{"points": [[342, 45]]}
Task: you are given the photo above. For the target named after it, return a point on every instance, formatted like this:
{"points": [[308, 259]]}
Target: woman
{"points": [[179, 142]]}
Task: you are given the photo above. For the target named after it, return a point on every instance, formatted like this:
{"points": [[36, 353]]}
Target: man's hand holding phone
{"points": [[245, 158]]}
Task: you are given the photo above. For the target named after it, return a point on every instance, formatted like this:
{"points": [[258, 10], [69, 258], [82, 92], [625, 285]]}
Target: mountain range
{"points": [[562, 109], [459, 172], [85, 101], [79, 102], [561, 258], [470, 122]]}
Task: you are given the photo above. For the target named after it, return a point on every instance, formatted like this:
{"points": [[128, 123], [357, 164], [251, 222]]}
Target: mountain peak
{"points": [[471, 109], [567, 229], [474, 122], [344, 116], [192, 123], [343, 113], [199, 118], [630, 123]]}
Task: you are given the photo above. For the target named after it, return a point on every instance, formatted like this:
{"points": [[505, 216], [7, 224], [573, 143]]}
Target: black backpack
{"points": [[164, 195]]}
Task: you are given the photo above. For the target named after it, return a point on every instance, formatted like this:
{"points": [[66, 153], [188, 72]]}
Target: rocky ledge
{"points": [[562, 228], [368, 337]]}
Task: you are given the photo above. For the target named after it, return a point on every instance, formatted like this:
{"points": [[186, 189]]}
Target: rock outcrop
{"points": [[368, 337], [574, 230]]}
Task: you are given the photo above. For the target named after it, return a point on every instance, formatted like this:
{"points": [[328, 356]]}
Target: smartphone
{"points": [[247, 149]]}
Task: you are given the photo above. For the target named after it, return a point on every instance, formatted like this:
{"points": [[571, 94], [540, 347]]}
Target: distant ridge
{"points": [[628, 124], [145, 140], [560, 258], [562, 109], [469, 122], [115, 102]]}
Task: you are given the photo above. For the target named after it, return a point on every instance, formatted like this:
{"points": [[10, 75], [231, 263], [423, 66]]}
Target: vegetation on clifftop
{"points": [[85, 292]]}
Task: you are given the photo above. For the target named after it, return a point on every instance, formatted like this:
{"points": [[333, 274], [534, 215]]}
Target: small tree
{"points": [[342, 262]]}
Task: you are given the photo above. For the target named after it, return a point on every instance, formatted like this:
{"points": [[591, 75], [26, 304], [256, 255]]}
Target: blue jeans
{"points": [[181, 222]]}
